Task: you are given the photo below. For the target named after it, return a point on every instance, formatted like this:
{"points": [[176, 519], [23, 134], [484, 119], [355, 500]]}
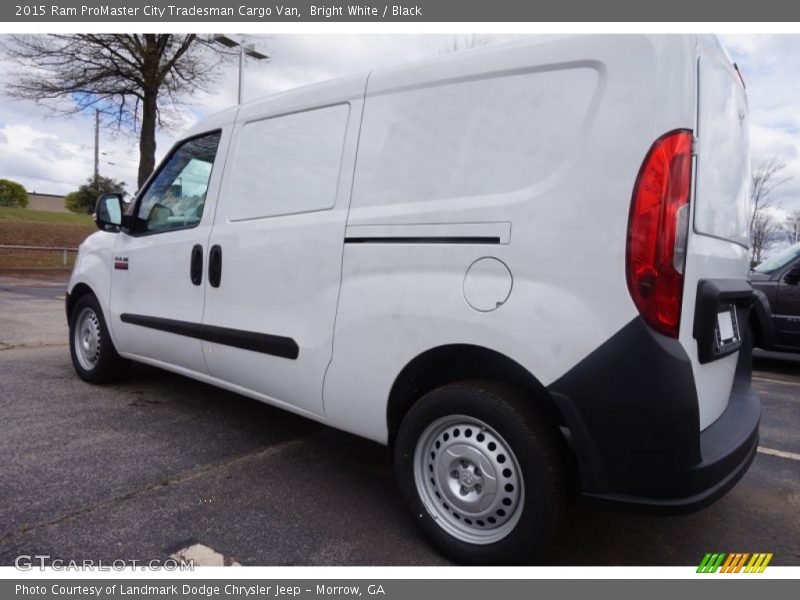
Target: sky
{"points": [[54, 154], [770, 66]]}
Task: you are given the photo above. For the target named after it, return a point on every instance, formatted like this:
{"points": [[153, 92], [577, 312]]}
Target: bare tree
{"points": [[763, 226], [763, 236], [136, 81]]}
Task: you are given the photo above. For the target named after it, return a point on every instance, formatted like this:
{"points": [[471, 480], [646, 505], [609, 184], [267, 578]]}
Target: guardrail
{"points": [[64, 250]]}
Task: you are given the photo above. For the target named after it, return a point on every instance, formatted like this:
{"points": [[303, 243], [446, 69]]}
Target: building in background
{"points": [[48, 202]]}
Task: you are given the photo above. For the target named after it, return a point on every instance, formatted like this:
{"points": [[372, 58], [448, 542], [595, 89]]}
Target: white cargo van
{"points": [[522, 267]]}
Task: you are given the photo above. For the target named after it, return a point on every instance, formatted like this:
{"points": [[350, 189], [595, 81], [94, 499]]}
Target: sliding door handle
{"points": [[196, 265], [215, 266]]}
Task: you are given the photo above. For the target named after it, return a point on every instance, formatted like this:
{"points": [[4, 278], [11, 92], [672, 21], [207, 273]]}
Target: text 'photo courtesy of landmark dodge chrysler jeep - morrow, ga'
{"points": [[524, 268]]}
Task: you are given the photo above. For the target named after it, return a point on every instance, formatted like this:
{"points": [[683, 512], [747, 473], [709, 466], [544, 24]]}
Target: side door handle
{"points": [[215, 266], [196, 265]]}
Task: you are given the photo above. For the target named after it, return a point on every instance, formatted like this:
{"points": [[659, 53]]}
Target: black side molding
{"points": [[424, 240], [265, 343]]}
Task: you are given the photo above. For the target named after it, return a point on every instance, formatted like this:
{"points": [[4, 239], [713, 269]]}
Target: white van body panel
{"points": [[399, 300], [219, 120], [281, 225], [718, 241], [93, 268], [157, 280], [482, 200]]}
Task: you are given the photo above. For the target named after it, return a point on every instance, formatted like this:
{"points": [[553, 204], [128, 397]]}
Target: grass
{"points": [[42, 216], [20, 226]]}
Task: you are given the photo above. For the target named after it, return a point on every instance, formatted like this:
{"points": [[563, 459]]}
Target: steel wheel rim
{"points": [[468, 479], [86, 339]]}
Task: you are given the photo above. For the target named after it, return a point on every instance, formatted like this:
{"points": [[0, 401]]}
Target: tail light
{"points": [[657, 231]]}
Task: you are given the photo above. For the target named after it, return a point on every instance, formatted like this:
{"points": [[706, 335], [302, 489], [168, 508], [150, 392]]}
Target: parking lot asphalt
{"points": [[147, 467]]}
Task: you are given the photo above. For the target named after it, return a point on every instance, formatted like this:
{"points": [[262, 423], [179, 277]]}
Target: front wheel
{"points": [[481, 470], [93, 354]]}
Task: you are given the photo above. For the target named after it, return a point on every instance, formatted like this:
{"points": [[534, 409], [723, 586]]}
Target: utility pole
{"points": [[244, 50], [96, 145]]}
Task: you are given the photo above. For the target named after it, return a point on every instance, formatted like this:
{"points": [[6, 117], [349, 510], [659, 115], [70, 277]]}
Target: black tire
{"points": [[107, 365], [537, 448], [752, 335]]}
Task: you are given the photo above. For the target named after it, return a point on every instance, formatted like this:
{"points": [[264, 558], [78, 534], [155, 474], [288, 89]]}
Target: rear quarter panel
{"points": [[717, 242], [592, 107]]}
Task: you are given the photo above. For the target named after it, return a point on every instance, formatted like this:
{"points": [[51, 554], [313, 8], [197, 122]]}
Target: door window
{"points": [[176, 196]]}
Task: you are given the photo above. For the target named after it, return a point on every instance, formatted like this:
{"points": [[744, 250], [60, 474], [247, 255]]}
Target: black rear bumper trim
{"points": [[728, 447], [678, 506], [632, 411]]}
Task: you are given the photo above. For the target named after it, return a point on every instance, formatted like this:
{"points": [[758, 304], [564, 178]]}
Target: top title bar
{"points": [[243, 11]]}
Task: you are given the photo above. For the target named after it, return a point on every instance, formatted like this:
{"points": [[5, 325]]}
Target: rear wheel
{"points": [[482, 471], [93, 354]]}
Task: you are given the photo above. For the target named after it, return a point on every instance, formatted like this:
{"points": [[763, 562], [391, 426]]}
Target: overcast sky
{"points": [[55, 154]]}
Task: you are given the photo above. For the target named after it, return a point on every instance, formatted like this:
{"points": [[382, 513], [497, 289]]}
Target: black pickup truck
{"points": [[775, 321]]}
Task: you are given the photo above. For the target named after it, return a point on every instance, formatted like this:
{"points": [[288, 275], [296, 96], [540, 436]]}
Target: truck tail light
{"points": [[657, 231]]}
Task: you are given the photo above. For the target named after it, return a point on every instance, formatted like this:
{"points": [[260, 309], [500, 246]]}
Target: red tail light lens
{"points": [[657, 231]]}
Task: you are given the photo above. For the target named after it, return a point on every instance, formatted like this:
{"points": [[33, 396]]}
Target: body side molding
{"points": [[422, 240], [265, 343]]}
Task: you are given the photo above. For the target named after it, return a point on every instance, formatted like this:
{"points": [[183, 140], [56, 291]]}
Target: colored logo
{"points": [[734, 562]]}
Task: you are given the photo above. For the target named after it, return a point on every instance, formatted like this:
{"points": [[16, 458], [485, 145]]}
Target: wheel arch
{"points": [[78, 291], [761, 321], [455, 362]]}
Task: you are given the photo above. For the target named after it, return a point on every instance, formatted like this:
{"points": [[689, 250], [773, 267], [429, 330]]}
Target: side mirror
{"points": [[792, 277], [108, 212]]}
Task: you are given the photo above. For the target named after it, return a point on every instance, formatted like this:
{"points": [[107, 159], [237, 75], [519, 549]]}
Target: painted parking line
{"points": [[771, 380], [203, 556], [781, 453]]}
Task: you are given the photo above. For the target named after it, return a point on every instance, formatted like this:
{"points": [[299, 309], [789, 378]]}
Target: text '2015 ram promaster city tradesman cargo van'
{"points": [[519, 267]]}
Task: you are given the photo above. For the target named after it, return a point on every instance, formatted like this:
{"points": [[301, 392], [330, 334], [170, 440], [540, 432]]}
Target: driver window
{"points": [[176, 197]]}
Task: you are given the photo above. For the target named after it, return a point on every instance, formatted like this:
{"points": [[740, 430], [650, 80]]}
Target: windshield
{"points": [[779, 260]]}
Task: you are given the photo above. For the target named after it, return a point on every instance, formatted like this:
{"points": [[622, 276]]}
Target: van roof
{"points": [[328, 86], [229, 114]]}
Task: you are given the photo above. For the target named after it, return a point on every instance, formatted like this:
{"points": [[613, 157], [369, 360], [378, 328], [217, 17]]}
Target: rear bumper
{"points": [[727, 449], [631, 408]]}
